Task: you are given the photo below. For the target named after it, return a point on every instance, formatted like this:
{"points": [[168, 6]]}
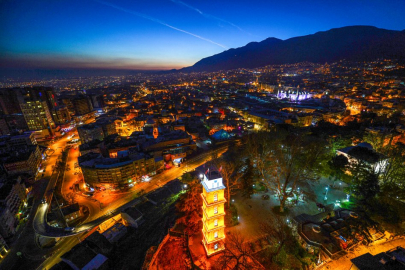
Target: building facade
{"points": [[37, 115], [82, 105], [25, 160], [12, 199], [90, 132], [116, 172], [4, 129], [61, 115], [213, 213]]}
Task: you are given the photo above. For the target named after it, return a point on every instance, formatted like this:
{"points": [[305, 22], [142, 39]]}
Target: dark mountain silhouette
{"points": [[356, 43]]}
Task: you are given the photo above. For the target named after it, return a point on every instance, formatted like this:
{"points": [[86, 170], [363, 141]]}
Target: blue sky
{"points": [[163, 34]]}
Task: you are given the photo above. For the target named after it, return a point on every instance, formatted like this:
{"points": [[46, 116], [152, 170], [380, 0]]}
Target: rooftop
{"points": [[80, 255], [390, 260], [328, 230], [213, 175]]}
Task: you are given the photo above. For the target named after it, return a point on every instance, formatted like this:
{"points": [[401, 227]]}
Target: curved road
{"points": [[41, 226]]}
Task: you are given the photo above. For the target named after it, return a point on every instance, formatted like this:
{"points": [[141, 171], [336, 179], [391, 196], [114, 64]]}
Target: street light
{"points": [[326, 195]]}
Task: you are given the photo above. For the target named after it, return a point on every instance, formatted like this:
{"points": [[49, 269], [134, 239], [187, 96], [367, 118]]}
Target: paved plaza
{"points": [[255, 210]]}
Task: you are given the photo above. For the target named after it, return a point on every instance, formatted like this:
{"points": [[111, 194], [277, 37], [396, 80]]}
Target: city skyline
{"points": [[179, 134], [164, 34]]}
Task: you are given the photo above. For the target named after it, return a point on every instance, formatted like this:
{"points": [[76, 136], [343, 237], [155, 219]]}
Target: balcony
{"points": [[206, 230], [214, 216], [215, 203], [219, 238]]}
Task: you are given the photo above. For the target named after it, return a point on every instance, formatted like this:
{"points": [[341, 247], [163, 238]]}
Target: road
{"points": [[72, 175], [99, 214], [98, 210], [125, 200], [26, 240]]}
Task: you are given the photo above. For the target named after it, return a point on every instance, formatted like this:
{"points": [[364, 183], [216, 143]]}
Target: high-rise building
{"points": [[37, 115], [46, 94], [12, 199], [9, 100], [97, 101], [213, 213], [82, 105], [30, 103], [10, 109], [61, 115], [16, 121], [90, 132], [24, 159], [4, 129], [108, 125]]}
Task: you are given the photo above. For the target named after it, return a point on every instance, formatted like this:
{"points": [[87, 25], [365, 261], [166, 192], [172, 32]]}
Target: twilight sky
{"points": [[165, 34]]}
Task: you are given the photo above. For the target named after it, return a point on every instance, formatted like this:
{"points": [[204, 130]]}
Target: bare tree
{"points": [[278, 233], [189, 207], [231, 171], [285, 160], [237, 255], [394, 171]]}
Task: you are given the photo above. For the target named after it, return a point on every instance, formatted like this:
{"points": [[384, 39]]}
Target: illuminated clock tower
{"points": [[213, 213]]}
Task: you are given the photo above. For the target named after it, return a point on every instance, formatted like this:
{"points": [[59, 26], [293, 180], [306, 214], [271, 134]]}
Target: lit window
{"points": [[215, 246], [215, 197], [215, 234], [216, 210], [216, 222]]}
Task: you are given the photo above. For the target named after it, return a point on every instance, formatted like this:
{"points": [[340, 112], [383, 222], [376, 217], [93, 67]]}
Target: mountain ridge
{"points": [[359, 43]]}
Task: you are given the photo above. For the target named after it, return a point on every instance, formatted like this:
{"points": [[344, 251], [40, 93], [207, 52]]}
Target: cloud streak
{"points": [[208, 16], [159, 22]]}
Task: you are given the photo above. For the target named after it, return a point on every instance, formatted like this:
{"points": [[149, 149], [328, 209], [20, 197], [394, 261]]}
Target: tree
{"points": [[361, 225], [247, 179], [367, 187], [278, 232], [337, 167], [231, 171], [285, 160], [394, 171], [189, 207], [187, 178], [285, 251], [377, 140], [358, 170], [237, 255], [377, 202]]}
